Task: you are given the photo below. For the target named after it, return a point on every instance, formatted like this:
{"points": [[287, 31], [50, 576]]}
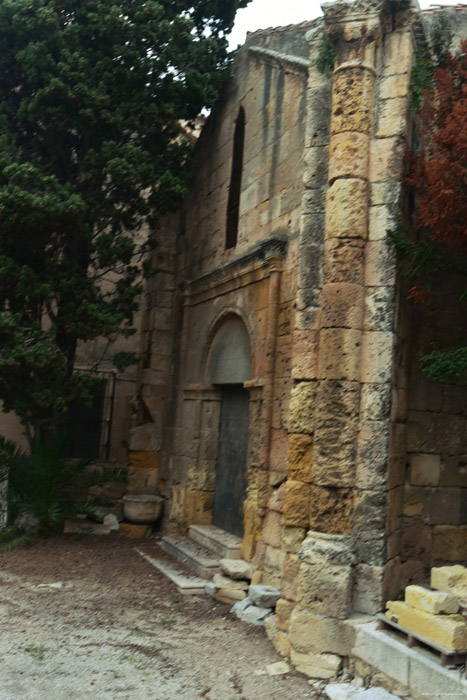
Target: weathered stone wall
{"points": [[255, 281], [434, 508]]}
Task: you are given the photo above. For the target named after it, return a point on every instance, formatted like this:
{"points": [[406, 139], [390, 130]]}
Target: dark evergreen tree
{"points": [[92, 93]]}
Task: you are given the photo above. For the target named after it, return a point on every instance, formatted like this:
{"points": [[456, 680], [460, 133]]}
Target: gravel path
{"points": [[86, 617]]}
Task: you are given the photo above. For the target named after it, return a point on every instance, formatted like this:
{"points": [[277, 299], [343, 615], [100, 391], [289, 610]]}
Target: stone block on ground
{"points": [[111, 521], [229, 595], [221, 581], [347, 691], [449, 631], [280, 668], [434, 602], [236, 568], [249, 613], [85, 527], [322, 666], [264, 596]]}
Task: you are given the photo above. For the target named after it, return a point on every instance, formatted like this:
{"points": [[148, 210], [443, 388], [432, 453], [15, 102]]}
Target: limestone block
{"points": [[305, 356], [264, 596], [347, 209], [450, 543], [434, 602], [425, 469], [310, 632], [375, 401], [254, 615], [444, 506], [386, 158], [277, 499], [342, 305], [198, 507], [392, 117], [368, 589], [381, 220], [300, 457], [278, 637], [351, 100], [416, 539], [413, 501], [376, 358], [394, 86], [229, 595], [316, 665], [379, 309], [236, 568], [283, 612], [369, 511], [221, 581], [449, 631], [292, 538], [344, 260], [290, 572], [372, 451], [349, 155], [272, 528], [297, 503], [273, 565], [144, 460], [446, 578], [330, 509], [339, 354], [302, 408], [380, 268], [326, 590], [145, 438], [398, 54], [252, 529]]}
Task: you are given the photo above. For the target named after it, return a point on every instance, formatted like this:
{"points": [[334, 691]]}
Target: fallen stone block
{"points": [[240, 605], [322, 666], [85, 527], [280, 668], [434, 602], [225, 582], [254, 615], [111, 521], [347, 691], [229, 595], [236, 568], [264, 596], [449, 631]]}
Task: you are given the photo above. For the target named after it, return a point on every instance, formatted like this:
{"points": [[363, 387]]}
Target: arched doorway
{"points": [[229, 366]]}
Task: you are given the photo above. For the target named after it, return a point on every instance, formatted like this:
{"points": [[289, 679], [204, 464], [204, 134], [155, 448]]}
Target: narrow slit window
{"points": [[233, 206]]}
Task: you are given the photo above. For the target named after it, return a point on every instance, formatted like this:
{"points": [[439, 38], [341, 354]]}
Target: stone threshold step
{"points": [[186, 584], [223, 544], [197, 558]]}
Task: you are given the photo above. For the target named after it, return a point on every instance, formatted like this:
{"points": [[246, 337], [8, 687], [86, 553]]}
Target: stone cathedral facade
{"points": [[276, 329]]}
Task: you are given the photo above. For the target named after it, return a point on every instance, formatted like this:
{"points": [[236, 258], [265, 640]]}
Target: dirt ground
{"points": [[86, 616]]}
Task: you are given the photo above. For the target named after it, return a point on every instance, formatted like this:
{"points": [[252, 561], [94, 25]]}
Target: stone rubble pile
{"points": [[433, 614]]}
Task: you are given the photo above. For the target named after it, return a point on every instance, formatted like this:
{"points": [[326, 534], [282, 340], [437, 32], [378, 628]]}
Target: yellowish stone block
{"points": [[452, 579], [449, 631], [434, 602]]}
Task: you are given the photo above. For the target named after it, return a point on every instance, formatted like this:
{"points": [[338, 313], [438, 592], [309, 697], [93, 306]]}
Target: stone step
{"points": [[197, 558], [186, 584], [223, 544]]}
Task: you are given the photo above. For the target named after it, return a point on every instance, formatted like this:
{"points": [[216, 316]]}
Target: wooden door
{"points": [[231, 478]]}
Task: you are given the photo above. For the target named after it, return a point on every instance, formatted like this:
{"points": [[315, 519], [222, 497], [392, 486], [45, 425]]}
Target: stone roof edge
{"points": [[294, 63]]}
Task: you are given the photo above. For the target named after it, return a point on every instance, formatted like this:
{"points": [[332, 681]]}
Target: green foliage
{"points": [[433, 54], [91, 98], [440, 365], [47, 487], [326, 57]]}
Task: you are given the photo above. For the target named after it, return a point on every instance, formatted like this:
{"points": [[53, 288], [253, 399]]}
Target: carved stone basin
{"points": [[141, 508]]}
